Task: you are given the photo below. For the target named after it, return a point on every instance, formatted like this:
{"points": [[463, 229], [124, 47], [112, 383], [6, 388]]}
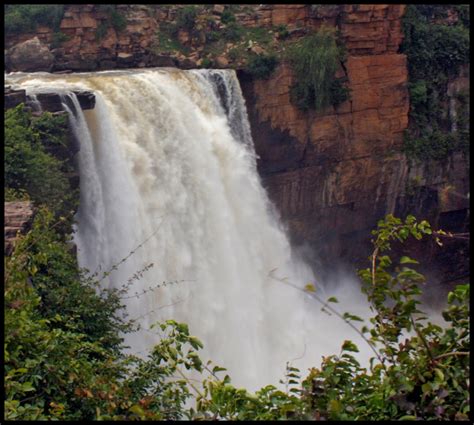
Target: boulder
{"points": [[31, 55]]}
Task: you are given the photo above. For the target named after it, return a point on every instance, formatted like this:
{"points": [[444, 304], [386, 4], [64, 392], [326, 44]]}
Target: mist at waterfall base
{"points": [[168, 173]]}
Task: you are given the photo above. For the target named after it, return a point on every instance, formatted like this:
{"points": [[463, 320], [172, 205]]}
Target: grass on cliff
{"points": [[315, 59]]}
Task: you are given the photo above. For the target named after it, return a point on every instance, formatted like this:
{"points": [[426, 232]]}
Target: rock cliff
{"points": [[334, 174], [331, 174]]}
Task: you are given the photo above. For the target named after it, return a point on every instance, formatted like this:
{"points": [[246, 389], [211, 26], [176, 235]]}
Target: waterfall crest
{"points": [[167, 162]]}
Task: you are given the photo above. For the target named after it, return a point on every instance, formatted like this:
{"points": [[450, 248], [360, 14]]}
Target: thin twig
{"points": [[326, 305], [454, 353]]}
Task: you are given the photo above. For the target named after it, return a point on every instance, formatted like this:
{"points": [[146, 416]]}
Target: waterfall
{"points": [[168, 170], [35, 103]]}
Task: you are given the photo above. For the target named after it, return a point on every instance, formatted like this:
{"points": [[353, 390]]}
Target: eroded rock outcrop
{"points": [[18, 218]]}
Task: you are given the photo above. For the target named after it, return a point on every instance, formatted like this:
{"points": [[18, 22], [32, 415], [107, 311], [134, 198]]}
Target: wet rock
{"points": [[13, 98], [86, 99]]}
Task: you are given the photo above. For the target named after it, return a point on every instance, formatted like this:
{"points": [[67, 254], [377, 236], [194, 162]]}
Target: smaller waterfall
{"points": [[35, 103]]}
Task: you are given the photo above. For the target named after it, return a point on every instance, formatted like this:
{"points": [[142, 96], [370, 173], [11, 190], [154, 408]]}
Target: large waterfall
{"points": [[168, 181]]}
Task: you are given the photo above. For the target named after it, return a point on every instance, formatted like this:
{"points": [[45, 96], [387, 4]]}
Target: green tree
{"points": [[21, 18]]}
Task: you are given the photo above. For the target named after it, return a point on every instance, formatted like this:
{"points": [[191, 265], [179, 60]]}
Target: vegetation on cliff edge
{"points": [[315, 59], [36, 158], [436, 48]]}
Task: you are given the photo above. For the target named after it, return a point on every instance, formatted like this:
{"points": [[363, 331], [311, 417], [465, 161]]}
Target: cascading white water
{"points": [[167, 162]]}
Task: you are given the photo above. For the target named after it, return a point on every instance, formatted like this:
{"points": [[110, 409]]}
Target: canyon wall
{"points": [[331, 174], [334, 174]]}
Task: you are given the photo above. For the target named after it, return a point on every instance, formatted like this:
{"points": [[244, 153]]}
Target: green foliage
{"points": [[58, 333], [101, 31], [58, 38], [118, 21], [437, 145], [16, 195], [227, 17], [260, 66], [212, 36], [23, 18], [339, 91], [233, 32], [63, 339], [435, 52], [66, 291], [315, 59], [29, 165], [167, 41], [62, 357], [420, 370], [418, 93], [463, 13], [206, 63], [233, 54], [433, 48], [282, 31], [186, 18]]}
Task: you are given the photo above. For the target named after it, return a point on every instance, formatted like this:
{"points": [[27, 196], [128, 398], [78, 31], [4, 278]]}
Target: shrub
{"points": [[260, 66], [28, 165], [339, 91], [207, 63], [101, 31], [233, 54], [227, 17], [71, 332], [16, 195], [420, 376], [233, 32], [58, 38], [420, 371], [314, 60], [212, 36], [282, 31], [186, 18], [118, 21], [436, 145]]}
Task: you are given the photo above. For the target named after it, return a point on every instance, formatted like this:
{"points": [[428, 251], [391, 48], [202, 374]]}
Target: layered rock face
{"points": [[334, 174], [18, 217]]}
